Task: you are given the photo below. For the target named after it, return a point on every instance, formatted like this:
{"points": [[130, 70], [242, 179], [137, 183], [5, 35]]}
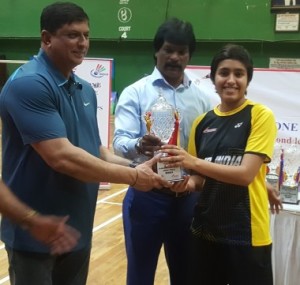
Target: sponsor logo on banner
{"points": [[98, 72]]}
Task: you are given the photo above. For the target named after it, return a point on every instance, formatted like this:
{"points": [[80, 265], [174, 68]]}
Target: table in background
{"points": [[285, 230]]}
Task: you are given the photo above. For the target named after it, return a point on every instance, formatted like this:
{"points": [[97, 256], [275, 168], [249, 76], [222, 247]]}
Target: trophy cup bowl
{"points": [[161, 122]]}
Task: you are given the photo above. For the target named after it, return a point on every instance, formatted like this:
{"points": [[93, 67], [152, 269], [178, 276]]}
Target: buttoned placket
{"points": [[70, 86]]}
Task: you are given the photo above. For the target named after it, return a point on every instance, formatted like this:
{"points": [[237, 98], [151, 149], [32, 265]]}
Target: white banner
{"points": [[280, 91], [98, 72], [277, 89]]}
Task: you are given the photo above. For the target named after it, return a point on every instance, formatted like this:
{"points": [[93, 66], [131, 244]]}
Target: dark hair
{"points": [[176, 32], [232, 51], [58, 14]]}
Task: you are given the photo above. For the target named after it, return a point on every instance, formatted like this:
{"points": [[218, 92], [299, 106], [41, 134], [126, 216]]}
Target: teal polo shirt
{"points": [[37, 103]]}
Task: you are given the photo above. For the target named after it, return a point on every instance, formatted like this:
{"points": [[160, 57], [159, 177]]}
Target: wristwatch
{"points": [[138, 146]]}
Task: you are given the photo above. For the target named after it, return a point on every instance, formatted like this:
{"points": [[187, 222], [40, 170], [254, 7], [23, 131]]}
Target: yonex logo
{"points": [[238, 125]]}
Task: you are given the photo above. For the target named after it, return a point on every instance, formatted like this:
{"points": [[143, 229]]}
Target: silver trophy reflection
{"points": [[162, 120]]}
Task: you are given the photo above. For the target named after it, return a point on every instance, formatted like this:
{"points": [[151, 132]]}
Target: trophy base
{"points": [[171, 174], [289, 194]]}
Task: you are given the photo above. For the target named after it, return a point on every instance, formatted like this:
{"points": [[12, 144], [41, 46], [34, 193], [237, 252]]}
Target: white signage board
{"points": [[277, 89], [98, 72]]}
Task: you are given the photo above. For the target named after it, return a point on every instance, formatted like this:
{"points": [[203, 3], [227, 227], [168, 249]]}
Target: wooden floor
{"points": [[108, 259]]}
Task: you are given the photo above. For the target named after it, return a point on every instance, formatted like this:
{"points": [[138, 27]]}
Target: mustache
{"points": [[173, 65]]}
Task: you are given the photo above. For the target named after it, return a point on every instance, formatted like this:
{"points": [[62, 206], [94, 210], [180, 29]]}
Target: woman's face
{"points": [[231, 81]]}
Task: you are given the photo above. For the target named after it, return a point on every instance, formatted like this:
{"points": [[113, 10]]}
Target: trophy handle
{"points": [[147, 118], [174, 139]]}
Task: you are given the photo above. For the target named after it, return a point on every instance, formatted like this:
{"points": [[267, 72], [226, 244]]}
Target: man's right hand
{"points": [[147, 179], [148, 144]]}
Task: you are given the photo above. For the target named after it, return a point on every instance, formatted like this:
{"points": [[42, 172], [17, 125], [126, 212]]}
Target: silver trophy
{"points": [[290, 174], [273, 167], [162, 120]]}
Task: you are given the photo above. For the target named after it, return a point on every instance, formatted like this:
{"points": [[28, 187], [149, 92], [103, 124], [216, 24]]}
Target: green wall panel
{"points": [[249, 22], [230, 19], [109, 19], [134, 59], [138, 19]]}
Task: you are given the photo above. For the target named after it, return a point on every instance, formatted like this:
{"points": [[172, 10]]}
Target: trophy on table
{"points": [[162, 120], [289, 174], [283, 172], [273, 167]]}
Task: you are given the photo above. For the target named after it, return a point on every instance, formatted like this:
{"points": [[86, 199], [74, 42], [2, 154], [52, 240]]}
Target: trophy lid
{"points": [[162, 105], [162, 118]]}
